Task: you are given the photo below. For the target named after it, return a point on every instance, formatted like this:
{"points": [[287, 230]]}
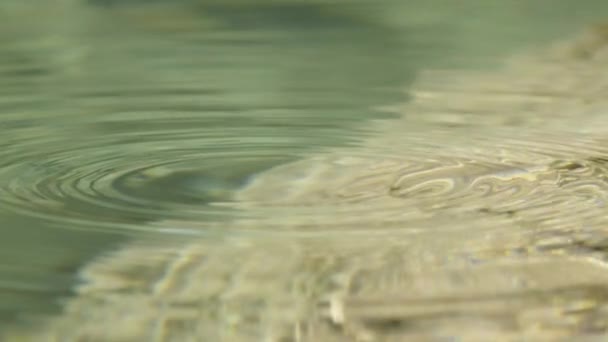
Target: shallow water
{"points": [[148, 146]]}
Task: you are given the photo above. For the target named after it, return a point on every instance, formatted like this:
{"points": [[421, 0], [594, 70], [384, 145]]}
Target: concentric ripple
{"points": [[108, 181]]}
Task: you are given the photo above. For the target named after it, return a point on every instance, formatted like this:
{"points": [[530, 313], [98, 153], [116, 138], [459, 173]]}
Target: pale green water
{"points": [[115, 114]]}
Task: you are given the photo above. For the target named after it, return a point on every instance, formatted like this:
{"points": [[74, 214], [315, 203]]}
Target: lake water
{"points": [[302, 170]]}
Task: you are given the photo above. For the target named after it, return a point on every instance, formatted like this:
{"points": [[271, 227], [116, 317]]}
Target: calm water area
{"points": [[290, 170]]}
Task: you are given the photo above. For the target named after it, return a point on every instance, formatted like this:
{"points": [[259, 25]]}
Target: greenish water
{"points": [[116, 115]]}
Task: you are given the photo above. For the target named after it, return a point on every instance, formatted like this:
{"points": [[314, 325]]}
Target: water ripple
{"points": [[126, 176], [378, 189]]}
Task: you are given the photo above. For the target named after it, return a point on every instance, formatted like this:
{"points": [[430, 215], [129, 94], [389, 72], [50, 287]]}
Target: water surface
{"points": [[249, 127]]}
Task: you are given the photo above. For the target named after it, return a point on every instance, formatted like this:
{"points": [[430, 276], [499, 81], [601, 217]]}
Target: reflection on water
{"points": [[214, 170]]}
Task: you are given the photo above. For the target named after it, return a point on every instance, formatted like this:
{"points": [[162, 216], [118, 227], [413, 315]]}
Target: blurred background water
{"points": [[118, 113]]}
